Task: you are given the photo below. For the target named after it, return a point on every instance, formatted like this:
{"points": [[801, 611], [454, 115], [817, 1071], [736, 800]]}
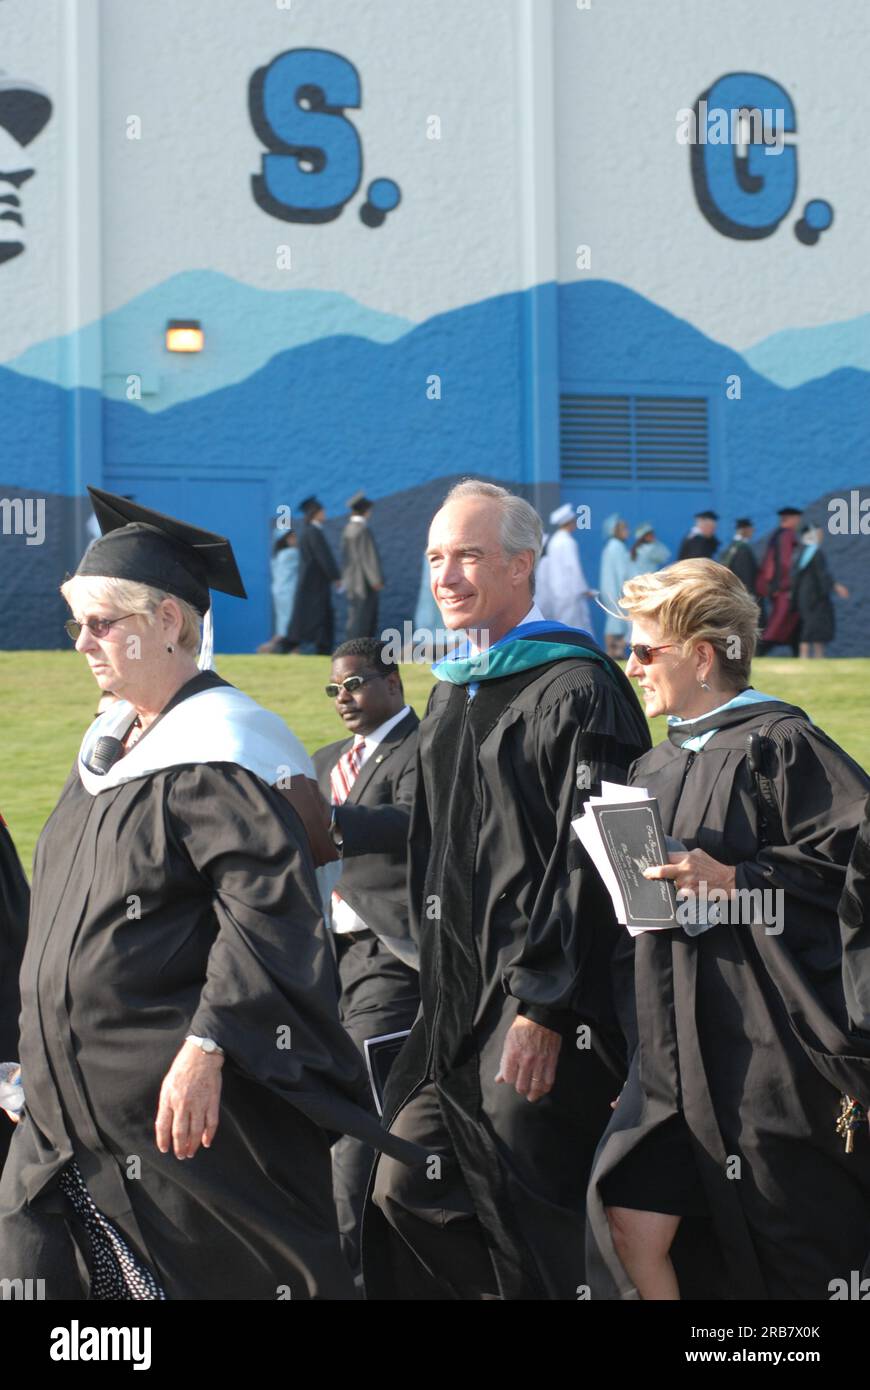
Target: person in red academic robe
{"points": [[774, 583]]}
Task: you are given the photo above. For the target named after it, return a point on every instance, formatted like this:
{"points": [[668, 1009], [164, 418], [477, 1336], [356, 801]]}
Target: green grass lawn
{"points": [[48, 698]]}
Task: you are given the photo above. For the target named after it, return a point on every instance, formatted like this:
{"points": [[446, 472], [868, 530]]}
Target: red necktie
{"points": [[345, 772], [342, 778]]}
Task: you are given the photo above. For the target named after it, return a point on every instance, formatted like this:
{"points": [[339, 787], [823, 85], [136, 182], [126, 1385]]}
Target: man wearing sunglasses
{"points": [[369, 776]]}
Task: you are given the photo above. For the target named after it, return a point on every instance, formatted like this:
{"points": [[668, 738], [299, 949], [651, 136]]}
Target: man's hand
{"points": [[189, 1102], [689, 869], [529, 1057]]}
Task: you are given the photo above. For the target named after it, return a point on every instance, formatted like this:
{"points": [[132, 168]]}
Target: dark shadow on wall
{"points": [[38, 539], [36, 550], [31, 571]]}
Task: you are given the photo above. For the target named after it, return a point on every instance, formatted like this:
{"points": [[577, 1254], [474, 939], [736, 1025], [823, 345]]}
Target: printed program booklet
{"points": [[623, 835]]}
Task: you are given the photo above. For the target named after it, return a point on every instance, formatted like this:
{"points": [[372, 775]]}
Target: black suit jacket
{"points": [[374, 826]]}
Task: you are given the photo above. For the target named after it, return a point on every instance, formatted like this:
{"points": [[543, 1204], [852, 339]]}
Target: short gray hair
{"points": [[521, 527], [133, 597]]}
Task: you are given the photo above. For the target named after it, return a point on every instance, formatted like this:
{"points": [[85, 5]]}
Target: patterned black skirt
{"points": [[115, 1271]]}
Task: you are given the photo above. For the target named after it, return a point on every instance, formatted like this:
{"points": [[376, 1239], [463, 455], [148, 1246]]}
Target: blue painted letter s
{"points": [[315, 164]]}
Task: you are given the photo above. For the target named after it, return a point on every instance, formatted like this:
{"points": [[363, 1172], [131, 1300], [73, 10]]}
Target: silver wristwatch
{"points": [[204, 1044]]}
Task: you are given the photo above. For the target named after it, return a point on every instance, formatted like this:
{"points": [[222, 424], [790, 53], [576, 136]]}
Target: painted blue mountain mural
{"points": [[343, 411], [802, 354], [244, 328]]}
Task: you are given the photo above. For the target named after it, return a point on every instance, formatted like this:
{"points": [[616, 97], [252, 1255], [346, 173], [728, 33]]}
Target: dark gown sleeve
{"points": [[855, 929], [270, 993], [824, 578], [379, 829], [566, 958], [820, 792], [14, 905], [419, 843], [324, 557]]}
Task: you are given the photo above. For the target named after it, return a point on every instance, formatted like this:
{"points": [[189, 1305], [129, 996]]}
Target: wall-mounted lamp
{"points": [[184, 335]]}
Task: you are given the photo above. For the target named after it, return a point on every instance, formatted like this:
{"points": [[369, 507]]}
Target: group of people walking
{"points": [[227, 971], [791, 583], [305, 574]]}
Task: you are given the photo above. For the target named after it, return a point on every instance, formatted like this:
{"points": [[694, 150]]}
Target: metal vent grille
{"points": [[634, 439]]}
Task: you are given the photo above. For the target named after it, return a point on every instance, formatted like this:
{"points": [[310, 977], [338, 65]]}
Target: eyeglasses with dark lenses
{"points": [[100, 627], [351, 684], [644, 653]]}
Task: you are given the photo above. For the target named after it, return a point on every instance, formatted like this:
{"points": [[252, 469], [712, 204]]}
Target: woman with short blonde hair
{"points": [[700, 601], [726, 1130]]}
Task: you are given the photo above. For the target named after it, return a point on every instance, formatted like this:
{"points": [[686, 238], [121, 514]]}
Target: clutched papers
{"points": [[622, 832]]}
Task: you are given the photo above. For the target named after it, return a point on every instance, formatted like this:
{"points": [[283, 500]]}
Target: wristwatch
{"points": [[204, 1044]]}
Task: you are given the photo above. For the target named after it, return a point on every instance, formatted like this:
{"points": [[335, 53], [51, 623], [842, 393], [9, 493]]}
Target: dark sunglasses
{"points": [[100, 627], [644, 653], [351, 684]]}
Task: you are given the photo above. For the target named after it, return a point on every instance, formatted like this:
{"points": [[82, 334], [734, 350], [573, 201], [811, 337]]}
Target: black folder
{"points": [[381, 1053]]}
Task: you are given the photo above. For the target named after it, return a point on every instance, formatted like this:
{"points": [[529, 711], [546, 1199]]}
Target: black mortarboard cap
{"points": [[310, 506], [708, 515], [150, 548], [359, 499], [790, 511], [741, 522]]}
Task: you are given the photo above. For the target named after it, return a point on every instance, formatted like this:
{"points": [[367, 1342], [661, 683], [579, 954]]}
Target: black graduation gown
{"points": [[740, 559], [511, 916], [855, 928], [698, 547], [811, 596], [228, 943], [313, 619], [14, 904], [746, 1032]]}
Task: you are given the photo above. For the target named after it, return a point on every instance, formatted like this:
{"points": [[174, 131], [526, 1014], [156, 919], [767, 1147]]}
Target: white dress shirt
{"points": [[344, 919]]}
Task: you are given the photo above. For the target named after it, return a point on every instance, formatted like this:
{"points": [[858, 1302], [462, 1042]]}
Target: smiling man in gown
{"points": [[507, 1078]]}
